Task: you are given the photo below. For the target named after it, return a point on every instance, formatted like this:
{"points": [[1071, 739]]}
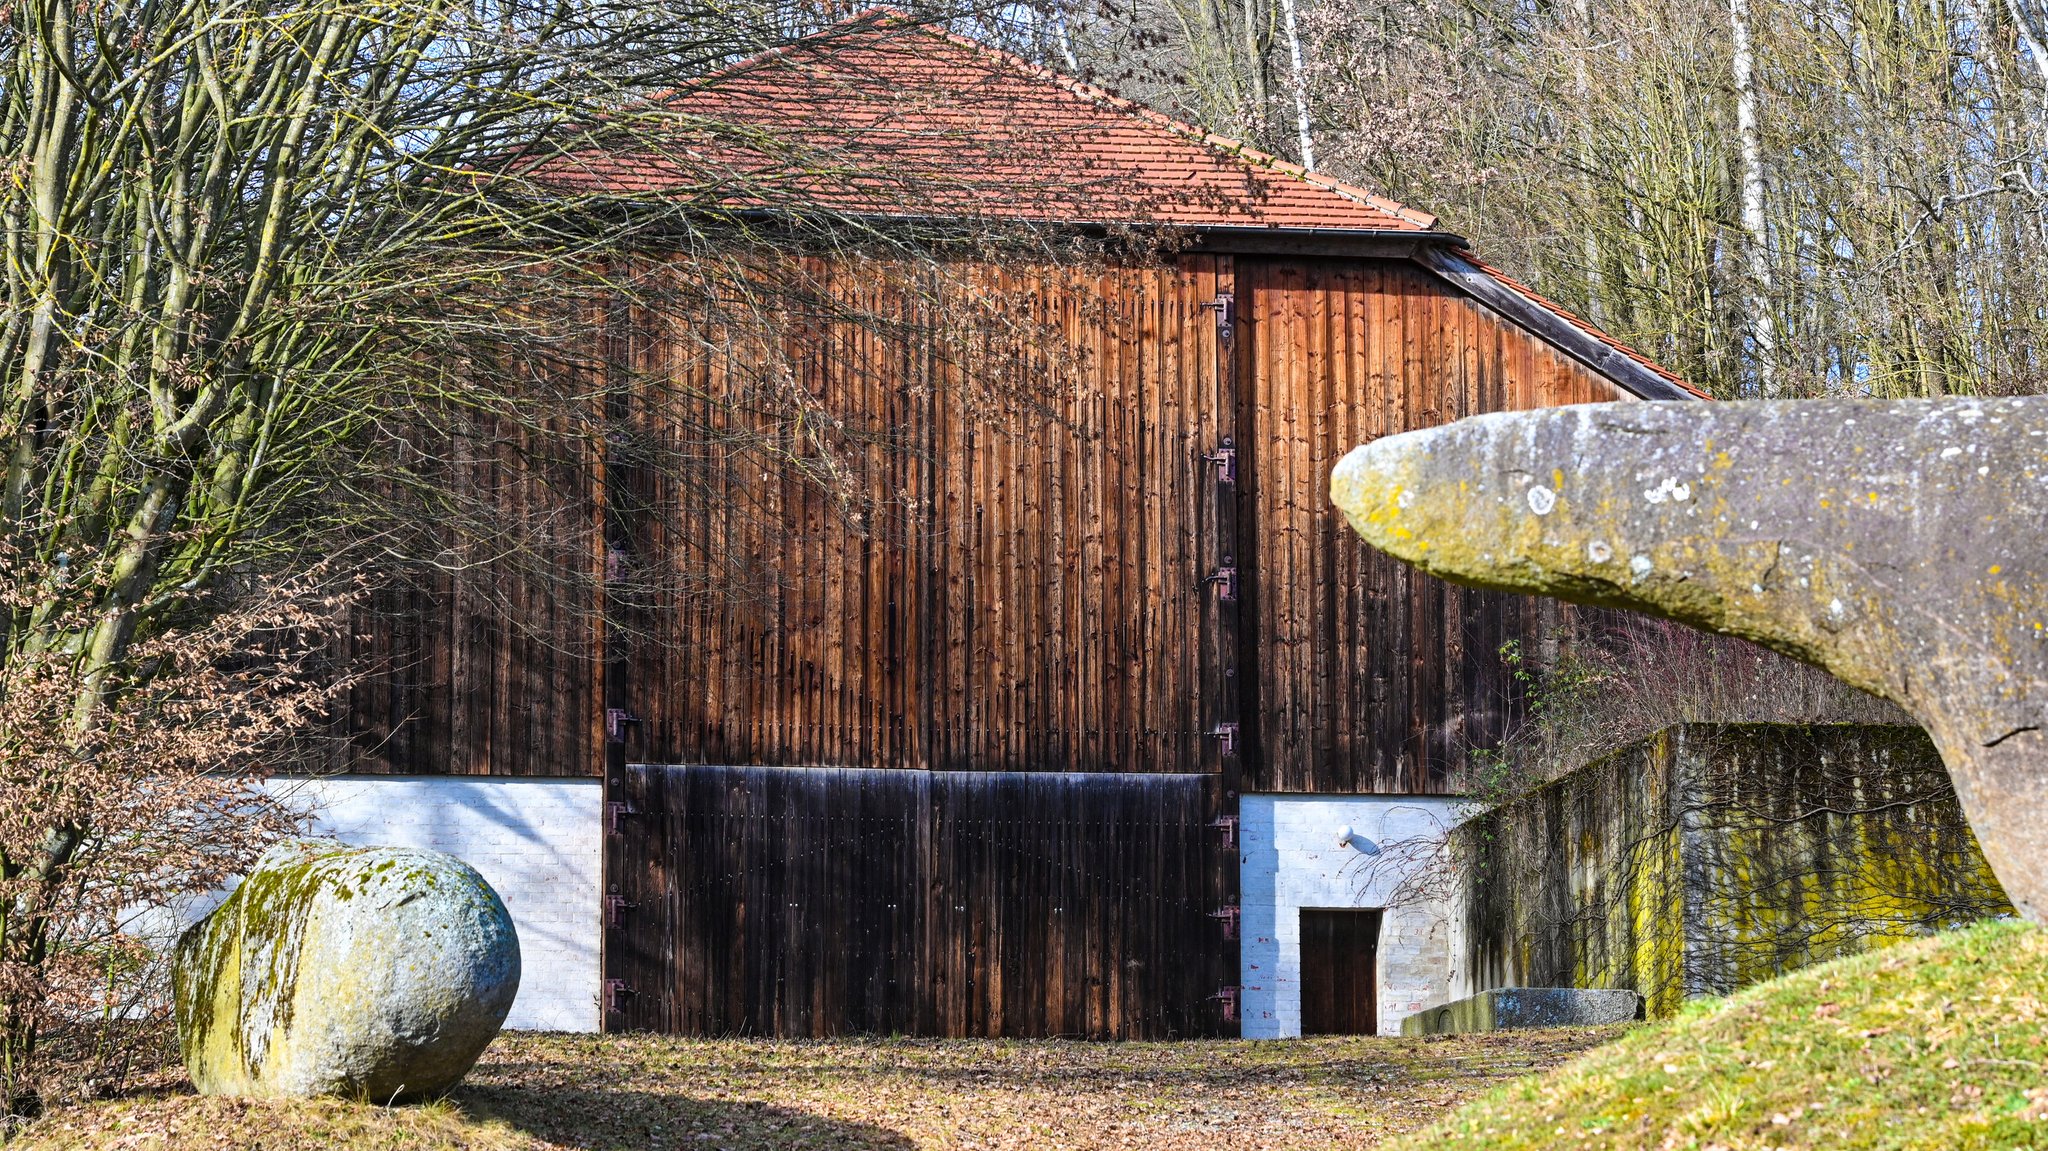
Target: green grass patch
{"points": [[1941, 1043]]}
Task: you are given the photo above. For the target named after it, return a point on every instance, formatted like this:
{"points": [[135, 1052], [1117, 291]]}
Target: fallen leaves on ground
{"points": [[550, 1092]]}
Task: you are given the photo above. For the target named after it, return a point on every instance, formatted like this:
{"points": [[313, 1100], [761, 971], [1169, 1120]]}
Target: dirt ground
{"points": [[537, 1092]]}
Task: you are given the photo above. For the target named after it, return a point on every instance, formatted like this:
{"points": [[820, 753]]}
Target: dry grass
{"points": [[536, 1092]]}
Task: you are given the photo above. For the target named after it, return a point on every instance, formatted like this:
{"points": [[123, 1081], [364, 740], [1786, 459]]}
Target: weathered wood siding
{"points": [[490, 666], [1023, 587], [1014, 572], [1371, 676], [811, 902]]}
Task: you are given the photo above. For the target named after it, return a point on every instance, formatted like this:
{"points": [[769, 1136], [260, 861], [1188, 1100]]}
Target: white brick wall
{"points": [[1290, 860], [538, 842]]}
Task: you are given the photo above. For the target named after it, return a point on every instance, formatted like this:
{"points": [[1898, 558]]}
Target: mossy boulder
{"points": [[378, 973]]}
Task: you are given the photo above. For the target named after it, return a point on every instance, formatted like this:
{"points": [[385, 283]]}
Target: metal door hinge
{"points": [[615, 910], [613, 809], [1226, 826], [1225, 459], [1228, 996], [1228, 915], [1225, 306], [616, 720], [1226, 738], [613, 990], [1227, 576]]}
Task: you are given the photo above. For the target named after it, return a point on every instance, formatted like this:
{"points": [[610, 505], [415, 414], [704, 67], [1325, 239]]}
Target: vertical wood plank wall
{"points": [[490, 665], [1020, 585], [1023, 589], [813, 902], [1372, 677]]}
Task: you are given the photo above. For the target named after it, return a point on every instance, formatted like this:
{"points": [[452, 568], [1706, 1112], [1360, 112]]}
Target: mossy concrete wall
{"points": [[1711, 856]]}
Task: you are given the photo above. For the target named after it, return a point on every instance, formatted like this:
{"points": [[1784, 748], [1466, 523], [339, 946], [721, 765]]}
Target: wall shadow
{"points": [[618, 1118]]}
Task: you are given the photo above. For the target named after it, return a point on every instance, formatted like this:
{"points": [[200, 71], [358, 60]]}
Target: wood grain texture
{"points": [[813, 902], [489, 664], [1371, 677], [1340, 972], [1011, 570], [1021, 587]]}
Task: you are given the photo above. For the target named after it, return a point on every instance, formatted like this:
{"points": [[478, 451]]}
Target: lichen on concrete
{"points": [[378, 973], [1902, 545], [1709, 857]]}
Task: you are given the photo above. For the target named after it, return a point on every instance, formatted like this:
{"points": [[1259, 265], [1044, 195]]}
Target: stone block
{"points": [[1516, 1008]]}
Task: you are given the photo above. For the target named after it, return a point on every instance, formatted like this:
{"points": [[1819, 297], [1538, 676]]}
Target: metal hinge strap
{"points": [[1229, 916]]}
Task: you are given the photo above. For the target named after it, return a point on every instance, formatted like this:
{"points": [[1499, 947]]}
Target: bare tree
{"points": [[1304, 138], [1844, 197], [291, 280]]}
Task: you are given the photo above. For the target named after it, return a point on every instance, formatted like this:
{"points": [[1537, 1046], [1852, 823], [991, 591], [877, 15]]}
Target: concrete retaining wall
{"points": [[1711, 856]]}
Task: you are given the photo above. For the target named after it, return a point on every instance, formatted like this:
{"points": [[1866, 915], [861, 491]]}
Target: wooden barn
{"points": [[1118, 732]]}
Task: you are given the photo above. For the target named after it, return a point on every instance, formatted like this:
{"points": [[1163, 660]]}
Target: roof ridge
{"points": [[1098, 96]]}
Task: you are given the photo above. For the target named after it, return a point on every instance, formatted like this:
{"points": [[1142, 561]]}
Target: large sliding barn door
{"points": [[1018, 655], [814, 902]]}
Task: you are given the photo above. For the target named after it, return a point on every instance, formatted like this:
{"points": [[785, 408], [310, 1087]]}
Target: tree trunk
{"points": [[2032, 24], [1305, 137], [1755, 225], [1582, 81], [1255, 68]]}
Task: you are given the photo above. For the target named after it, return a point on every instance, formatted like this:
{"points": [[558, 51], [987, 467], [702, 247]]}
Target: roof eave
{"points": [[1606, 360], [1262, 239]]}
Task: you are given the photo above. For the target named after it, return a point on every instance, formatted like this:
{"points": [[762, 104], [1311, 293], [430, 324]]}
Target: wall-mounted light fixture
{"points": [[1349, 838]]}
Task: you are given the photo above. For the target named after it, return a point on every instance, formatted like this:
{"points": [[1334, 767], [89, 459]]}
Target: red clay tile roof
{"points": [[881, 115]]}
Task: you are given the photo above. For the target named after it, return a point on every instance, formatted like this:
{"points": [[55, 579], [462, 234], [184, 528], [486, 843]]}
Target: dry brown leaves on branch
{"points": [[166, 792]]}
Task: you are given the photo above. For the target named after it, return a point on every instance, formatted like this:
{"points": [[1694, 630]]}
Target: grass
{"points": [[1940, 1044], [543, 1092]]}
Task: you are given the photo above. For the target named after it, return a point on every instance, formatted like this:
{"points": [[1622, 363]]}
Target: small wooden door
{"points": [[1340, 972]]}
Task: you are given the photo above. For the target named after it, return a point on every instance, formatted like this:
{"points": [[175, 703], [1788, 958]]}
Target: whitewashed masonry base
{"points": [[1290, 859], [539, 842]]}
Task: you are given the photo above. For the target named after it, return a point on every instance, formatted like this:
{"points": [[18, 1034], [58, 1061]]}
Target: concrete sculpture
{"points": [[1901, 545]]}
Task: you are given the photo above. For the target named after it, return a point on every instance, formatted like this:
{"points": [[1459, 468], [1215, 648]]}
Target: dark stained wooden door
{"points": [[806, 902], [1340, 972]]}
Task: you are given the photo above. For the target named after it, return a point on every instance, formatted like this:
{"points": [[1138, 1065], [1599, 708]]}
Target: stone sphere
{"points": [[376, 973]]}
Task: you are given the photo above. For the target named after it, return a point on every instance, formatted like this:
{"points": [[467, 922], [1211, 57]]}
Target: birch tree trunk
{"points": [[1304, 136], [2032, 24], [1758, 294]]}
